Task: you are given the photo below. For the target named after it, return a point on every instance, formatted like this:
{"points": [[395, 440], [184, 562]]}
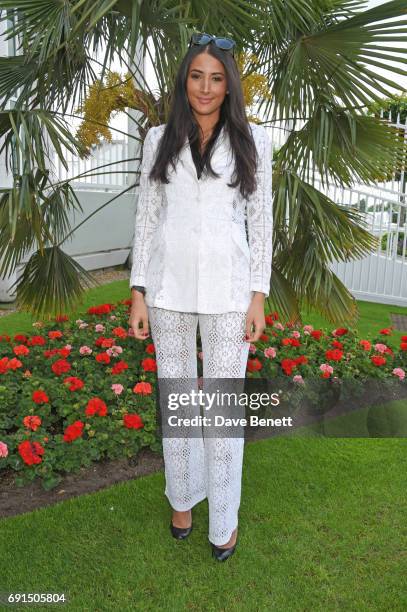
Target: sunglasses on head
{"points": [[202, 38]]}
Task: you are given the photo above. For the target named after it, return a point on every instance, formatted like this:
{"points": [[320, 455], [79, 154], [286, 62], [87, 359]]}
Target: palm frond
{"points": [[334, 60], [26, 134], [344, 148], [51, 283], [313, 216]]}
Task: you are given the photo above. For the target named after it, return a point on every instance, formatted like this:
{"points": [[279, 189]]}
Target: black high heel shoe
{"points": [[180, 533], [221, 554]]}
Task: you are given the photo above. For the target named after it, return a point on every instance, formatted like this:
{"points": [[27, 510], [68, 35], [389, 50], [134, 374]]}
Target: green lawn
{"points": [[322, 527]]}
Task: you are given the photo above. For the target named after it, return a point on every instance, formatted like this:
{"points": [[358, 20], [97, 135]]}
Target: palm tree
{"points": [[324, 62]]}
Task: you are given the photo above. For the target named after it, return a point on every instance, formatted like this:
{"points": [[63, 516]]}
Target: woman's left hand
{"points": [[255, 317]]}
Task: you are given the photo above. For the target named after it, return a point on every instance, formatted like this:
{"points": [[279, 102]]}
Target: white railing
{"points": [[381, 276], [113, 177]]}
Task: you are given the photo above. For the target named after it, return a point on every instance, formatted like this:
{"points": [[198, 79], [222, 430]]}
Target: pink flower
{"points": [[79, 321], [298, 379], [270, 352], [252, 348], [380, 348], [296, 334], [85, 350], [3, 449], [326, 368], [278, 326], [113, 317], [83, 325], [114, 351], [307, 329], [399, 372], [99, 327], [117, 388]]}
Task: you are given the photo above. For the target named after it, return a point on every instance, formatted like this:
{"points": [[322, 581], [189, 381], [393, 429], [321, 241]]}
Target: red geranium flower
{"points": [[73, 431], [3, 365], [120, 332], [96, 406], [119, 367], [386, 331], [60, 367], [101, 309], [40, 397], [54, 334], [61, 317], [288, 365], [31, 452], [150, 348], [102, 358], [64, 352], [21, 349], [264, 337], [341, 331], [337, 344], [290, 341], [253, 365], [37, 341], [51, 352], [365, 344], [378, 360], [105, 342], [334, 354], [316, 333], [74, 383], [20, 338], [13, 364], [32, 422], [143, 387], [149, 365], [132, 421], [403, 346], [300, 359]]}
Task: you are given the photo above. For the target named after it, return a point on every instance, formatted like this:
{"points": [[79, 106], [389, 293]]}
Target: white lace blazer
{"points": [[190, 247]]}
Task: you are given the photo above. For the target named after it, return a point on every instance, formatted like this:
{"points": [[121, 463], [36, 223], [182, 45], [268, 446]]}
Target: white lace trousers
{"points": [[200, 467]]}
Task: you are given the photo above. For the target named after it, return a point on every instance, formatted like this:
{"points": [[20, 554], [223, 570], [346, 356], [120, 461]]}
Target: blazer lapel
{"points": [[219, 149]]}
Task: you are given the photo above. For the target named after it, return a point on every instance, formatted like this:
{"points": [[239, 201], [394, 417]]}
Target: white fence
{"points": [[111, 178], [381, 276]]}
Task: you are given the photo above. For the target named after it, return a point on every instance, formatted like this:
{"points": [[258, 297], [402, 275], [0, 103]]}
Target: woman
{"points": [[201, 174]]}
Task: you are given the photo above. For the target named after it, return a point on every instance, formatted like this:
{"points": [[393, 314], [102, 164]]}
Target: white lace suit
{"points": [[191, 254]]}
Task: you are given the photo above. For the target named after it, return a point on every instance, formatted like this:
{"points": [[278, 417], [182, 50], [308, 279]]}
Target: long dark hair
{"points": [[182, 124]]}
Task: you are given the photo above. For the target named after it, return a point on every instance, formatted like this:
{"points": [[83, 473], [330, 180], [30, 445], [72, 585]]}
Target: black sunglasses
{"points": [[202, 38]]}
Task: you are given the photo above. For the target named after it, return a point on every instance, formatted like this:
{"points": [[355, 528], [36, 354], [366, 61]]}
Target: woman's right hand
{"points": [[139, 314]]}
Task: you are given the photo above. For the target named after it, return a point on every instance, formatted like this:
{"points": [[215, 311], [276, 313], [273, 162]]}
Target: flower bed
{"points": [[74, 392]]}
